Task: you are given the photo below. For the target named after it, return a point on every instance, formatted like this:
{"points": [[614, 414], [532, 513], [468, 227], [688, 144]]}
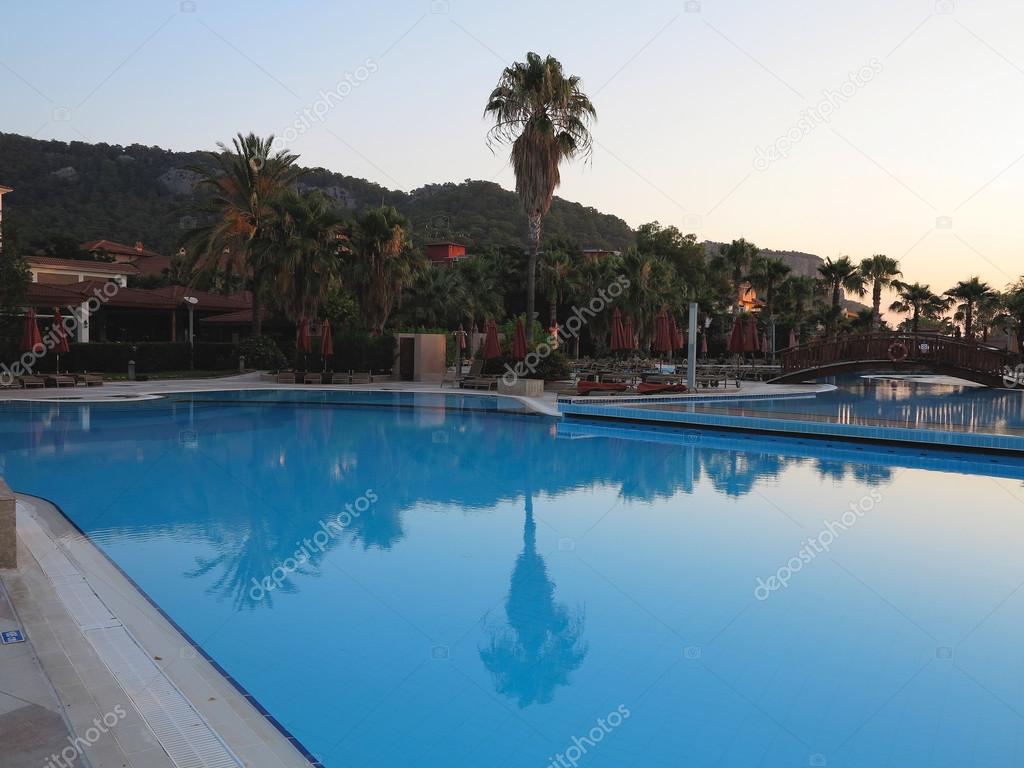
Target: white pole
{"points": [[691, 350]]}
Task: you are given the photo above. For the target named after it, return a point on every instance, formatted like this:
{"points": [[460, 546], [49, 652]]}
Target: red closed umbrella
{"points": [[676, 335], [662, 334], [765, 347], [326, 343], [628, 337], [31, 341], [462, 338], [61, 336], [519, 343], [618, 333], [792, 337], [736, 344], [704, 344], [492, 348], [750, 341], [302, 340]]}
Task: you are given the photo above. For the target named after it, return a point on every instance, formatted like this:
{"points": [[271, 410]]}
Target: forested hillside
{"points": [[88, 191]]}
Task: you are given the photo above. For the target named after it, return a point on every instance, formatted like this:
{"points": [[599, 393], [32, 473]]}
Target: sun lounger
{"points": [[654, 388], [607, 387], [286, 377], [60, 380], [483, 382], [12, 384], [89, 379], [341, 378], [313, 378], [32, 381], [360, 377]]}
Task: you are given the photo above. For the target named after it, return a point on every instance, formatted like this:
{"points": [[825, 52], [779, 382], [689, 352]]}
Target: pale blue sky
{"points": [[686, 94]]}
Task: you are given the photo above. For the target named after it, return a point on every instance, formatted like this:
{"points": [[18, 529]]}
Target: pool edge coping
{"points": [[129, 593]]}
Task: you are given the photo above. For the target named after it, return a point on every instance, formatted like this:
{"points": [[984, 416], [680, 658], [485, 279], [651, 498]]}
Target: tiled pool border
{"points": [[856, 432], [277, 725]]}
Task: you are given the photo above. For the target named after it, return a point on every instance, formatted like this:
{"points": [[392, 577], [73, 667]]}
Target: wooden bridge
{"points": [[895, 352]]}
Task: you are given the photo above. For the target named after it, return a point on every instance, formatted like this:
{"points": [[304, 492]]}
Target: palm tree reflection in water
{"points": [[541, 644]]}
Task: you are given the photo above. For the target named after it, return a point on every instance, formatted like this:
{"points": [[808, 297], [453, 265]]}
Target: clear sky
{"points": [[901, 120]]}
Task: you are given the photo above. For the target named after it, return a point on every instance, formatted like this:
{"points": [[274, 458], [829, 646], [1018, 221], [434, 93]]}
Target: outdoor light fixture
{"points": [[191, 302]]}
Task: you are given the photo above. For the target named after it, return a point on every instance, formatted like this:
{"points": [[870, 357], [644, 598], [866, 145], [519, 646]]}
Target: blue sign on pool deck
{"points": [[12, 636]]}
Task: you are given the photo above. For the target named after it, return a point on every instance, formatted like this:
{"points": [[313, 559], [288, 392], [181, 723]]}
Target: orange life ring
{"points": [[898, 351]]}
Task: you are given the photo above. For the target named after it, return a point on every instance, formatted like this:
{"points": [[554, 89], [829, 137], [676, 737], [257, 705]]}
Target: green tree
{"points": [[435, 298], [382, 264], [838, 276], [881, 272], [546, 117], [244, 182], [919, 302], [1013, 301], [557, 277], [766, 274], [306, 241], [797, 294], [969, 293], [735, 259]]}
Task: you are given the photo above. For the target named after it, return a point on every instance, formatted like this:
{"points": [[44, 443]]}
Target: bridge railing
{"points": [[920, 348]]}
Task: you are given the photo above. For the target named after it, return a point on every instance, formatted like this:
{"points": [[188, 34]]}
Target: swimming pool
{"points": [[502, 589]]}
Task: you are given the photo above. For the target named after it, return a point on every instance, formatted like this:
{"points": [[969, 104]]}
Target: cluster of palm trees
{"points": [[298, 253], [295, 250]]}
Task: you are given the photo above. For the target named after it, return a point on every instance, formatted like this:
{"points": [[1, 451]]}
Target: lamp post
{"points": [[190, 302]]}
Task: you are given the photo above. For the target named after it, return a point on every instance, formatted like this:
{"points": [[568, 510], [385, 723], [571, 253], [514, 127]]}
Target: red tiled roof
{"points": [[243, 317], [116, 248], [83, 265], [52, 295], [128, 298], [207, 301], [153, 265]]}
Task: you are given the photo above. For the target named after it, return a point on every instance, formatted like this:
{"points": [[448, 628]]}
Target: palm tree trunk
{"points": [[914, 321], [257, 304], [876, 307], [553, 313], [968, 321], [531, 275]]}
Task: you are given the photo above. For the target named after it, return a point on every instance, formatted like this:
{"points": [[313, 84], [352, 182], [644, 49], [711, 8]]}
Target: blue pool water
{"points": [[513, 589], [903, 402]]}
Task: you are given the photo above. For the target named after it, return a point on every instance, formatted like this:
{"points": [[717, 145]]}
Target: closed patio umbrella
{"points": [[662, 334], [792, 337], [736, 337], [61, 336], [618, 334], [674, 333], [302, 340], [628, 337], [492, 348], [326, 343], [764, 343], [750, 340], [31, 341], [704, 344], [519, 343], [462, 337]]}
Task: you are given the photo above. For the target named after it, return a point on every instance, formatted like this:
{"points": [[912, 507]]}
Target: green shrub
{"points": [[261, 352]]}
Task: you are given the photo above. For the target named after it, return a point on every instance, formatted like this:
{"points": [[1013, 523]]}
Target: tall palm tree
{"points": [[243, 181], [969, 293], [880, 271], [735, 258], [383, 263], [798, 292], [546, 117], [766, 273], [653, 286], [307, 240], [1013, 301], [435, 298], [483, 289], [839, 276], [558, 278], [918, 301]]}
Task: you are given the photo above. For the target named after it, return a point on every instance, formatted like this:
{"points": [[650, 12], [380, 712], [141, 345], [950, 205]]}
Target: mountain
{"points": [[87, 191]]}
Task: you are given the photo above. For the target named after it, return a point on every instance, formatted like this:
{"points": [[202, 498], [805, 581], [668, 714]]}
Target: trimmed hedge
{"points": [[149, 357]]}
